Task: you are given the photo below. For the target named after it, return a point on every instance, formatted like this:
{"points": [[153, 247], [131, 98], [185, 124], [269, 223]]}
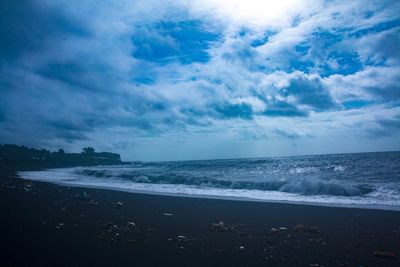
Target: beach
{"points": [[203, 133], [44, 224]]}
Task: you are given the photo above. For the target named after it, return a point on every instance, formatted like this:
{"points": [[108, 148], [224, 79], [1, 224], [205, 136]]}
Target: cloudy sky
{"points": [[198, 79]]}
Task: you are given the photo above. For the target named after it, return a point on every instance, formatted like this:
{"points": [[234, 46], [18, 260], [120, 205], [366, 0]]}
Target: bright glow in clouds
{"points": [[254, 13], [199, 79]]}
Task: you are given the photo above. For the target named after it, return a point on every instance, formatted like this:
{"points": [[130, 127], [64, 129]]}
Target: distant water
{"points": [[362, 180]]}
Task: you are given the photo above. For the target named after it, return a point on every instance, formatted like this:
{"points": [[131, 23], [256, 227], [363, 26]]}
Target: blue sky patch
{"points": [[356, 104], [344, 63], [383, 26], [184, 41]]}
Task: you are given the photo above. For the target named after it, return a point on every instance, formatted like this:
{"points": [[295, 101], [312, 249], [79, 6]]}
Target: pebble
{"points": [[118, 205]]}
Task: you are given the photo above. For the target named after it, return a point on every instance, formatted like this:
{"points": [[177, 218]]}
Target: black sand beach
{"points": [[44, 224]]}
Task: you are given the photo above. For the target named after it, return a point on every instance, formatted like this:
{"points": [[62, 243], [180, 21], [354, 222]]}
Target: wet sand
{"points": [[44, 224]]}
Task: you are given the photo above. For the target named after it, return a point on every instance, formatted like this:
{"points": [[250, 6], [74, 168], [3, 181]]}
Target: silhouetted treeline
{"points": [[22, 156]]}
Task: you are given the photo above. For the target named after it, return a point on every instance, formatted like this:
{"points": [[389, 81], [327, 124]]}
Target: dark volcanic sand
{"points": [[47, 225]]}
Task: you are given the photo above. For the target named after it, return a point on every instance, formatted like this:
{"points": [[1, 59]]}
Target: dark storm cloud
{"points": [[26, 25], [311, 92], [243, 111], [390, 124], [383, 128], [80, 75], [55, 84]]}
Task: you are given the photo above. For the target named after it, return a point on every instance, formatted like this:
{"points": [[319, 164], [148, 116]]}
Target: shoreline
{"points": [[220, 197], [48, 224]]}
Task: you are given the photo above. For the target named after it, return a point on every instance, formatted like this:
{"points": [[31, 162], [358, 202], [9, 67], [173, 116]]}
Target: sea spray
{"points": [[365, 179]]}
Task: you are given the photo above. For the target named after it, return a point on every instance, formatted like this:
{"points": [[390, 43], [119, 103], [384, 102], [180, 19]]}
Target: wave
{"points": [[381, 198], [363, 180], [311, 186]]}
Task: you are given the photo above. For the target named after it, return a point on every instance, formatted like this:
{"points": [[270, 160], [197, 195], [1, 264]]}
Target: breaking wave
{"points": [[304, 187], [368, 179]]}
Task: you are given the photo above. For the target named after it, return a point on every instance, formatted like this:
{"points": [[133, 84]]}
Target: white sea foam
{"points": [[382, 198]]}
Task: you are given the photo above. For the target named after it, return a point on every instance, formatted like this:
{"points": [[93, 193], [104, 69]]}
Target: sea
{"points": [[361, 180]]}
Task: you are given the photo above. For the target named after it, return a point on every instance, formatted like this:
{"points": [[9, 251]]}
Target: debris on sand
{"points": [[28, 186], [118, 204], [308, 229], [109, 226], [82, 196], [130, 227], [274, 231], [113, 233], [110, 233], [93, 202], [181, 238], [221, 227], [130, 224], [7, 184], [59, 225], [385, 254]]}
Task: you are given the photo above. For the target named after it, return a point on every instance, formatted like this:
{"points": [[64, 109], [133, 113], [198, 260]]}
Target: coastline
{"points": [[233, 194], [47, 224]]}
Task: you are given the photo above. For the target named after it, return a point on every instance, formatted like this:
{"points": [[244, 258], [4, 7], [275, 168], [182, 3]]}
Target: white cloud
{"points": [[372, 83], [254, 13], [102, 98]]}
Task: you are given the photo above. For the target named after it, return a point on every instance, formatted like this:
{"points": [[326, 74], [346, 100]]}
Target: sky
{"points": [[200, 79]]}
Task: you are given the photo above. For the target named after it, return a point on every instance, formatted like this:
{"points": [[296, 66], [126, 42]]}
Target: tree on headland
{"points": [[88, 150], [13, 155]]}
